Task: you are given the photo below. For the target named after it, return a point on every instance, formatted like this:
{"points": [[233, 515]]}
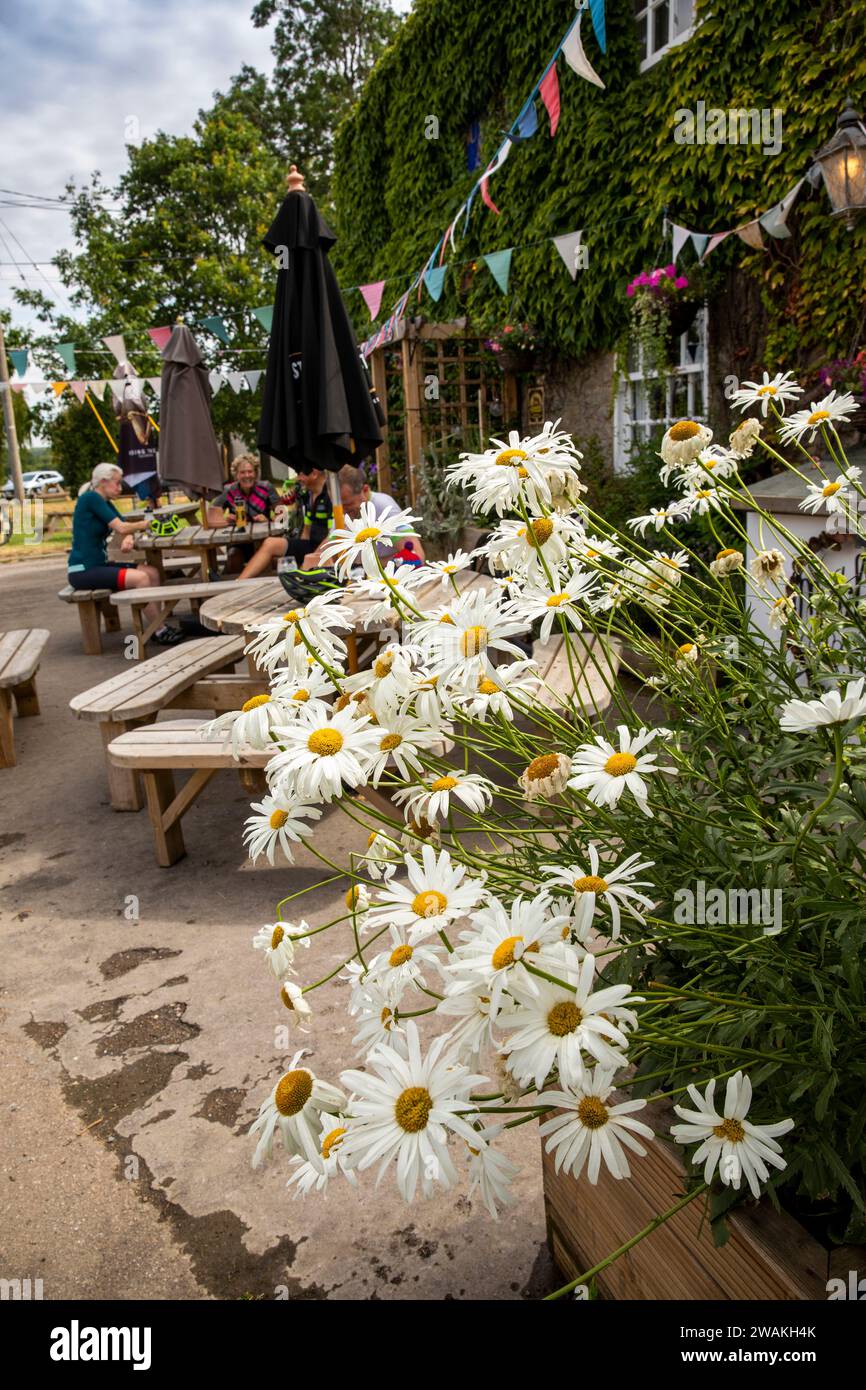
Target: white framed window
{"points": [[647, 403], [661, 24]]}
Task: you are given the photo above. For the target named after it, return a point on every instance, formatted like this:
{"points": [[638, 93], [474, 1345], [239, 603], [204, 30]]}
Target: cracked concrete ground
{"points": [[135, 1053]]}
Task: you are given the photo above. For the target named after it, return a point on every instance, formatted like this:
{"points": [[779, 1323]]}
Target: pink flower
{"points": [[681, 282], [630, 290], [670, 271]]}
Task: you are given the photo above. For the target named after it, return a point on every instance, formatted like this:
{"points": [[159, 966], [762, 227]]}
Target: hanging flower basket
{"points": [[663, 306], [516, 347]]}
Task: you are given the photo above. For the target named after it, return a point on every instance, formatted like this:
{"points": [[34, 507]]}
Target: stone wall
{"points": [[580, 394]]}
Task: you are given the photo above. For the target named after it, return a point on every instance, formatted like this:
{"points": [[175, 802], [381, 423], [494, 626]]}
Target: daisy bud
{"points": [[545, 776], [727, 561]]}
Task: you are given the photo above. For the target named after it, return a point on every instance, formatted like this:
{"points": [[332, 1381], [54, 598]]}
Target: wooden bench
{"points": [[185, 677], [595, 666], [93, 605], [166, 597], [156, 751], [20, 654]]}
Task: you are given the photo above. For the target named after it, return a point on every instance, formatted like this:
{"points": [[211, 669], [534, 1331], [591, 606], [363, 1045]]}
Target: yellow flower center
{"points": [[474, 641], [503, 956], [723, 554], [818, 415], [332, 1141], [293, 1091], [709, 463], [302, 696], [449, 569], [510, 457], [620, 764], [412, 1109], [767, 391], [556, 600], [831, 489], [429, 903], [390, 742], [542, 529], [276, 937], [686, 429], [343, 701], [287, 999], [590, 884], [325, 742], [353, 896], [371, 839], [277, 819], [294, 616], [563, 1018], [703, 492], [731, 1130], [385, 1019], [444, 784], [542, 767], [523, 472], [447, 619], [382, 665], [487, 687], [686, 648], [400, 955], [255, 703], [369, 533], [592, 1112]]}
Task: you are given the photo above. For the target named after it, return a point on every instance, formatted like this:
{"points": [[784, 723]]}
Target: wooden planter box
{"points": [[768, 1255]]}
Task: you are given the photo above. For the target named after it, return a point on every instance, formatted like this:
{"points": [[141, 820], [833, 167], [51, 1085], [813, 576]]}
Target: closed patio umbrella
{"points": [[189, 454], [318, 408]]}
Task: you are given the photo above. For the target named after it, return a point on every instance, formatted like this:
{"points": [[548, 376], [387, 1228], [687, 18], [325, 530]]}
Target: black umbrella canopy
{"points": [[188, 449], [317, 409]]}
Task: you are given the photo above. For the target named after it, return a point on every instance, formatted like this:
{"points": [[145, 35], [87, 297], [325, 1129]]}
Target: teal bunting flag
{"points": [[699, 241], [19, 358], [265, 316], [215, 325], [435, 282], [596, 10], [499, 265], [67, 352]]}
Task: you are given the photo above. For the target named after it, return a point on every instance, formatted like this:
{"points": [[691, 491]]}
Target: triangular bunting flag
{"points": [[265, 316], [435, 281], [751, 235], [596, 10], [155, 384], [118, 388], [775, 221], [236, 381], [549, 91], [39, 388], [680, 237], [499, 265], [527, 122], [215, 325], [485, 195], [19, 386], [253, 379], [67, 352], [577, 60], [715, 240], [159, 336], [79, 390], [19, 358], [216, 380], [58, 387], [116, 346], [699, 241], [568, 247], [97, 388], [372, 297]]}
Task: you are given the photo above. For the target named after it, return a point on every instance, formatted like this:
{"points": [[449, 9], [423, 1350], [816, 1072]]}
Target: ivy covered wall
{"points": [[612, 169]]}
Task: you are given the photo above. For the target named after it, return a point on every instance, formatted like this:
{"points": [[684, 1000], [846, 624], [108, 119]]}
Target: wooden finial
{"points": [[295, 181]]}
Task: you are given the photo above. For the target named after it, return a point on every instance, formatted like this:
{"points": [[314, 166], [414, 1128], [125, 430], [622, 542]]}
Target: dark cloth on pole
{"points": [[188, 451], [137, 460], [317, 409]]}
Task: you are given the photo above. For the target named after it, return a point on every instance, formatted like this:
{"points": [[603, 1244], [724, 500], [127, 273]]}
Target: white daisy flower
{"points": [[401, 965], [739, 1149], [491, 954], [684, 441], [702, 499], [460, 651], [377, 1018], [321, 755], [404, 1109], [537, 600], [657, 518], [604, 772], [589, 1128], [460, 560], [296, 1106], [432, 701], [834, 493], [714, 462], [402, 738], [314, 1177], [768, 567], [388, 594], [280, 640], [250, 726], [527, 549], [473, 1031], [727, 562], [614, 886], [823, 412], [437, 893], [432, 801], [357, 900], [278, 943], [545, 777], [744, 438], [518, 681], [516, 471], [292, 998], [781, 611], [554, 1026], [491, 1172], [778, 389], [311, 690], [277, 824], [382, 857], [357, 542], [799, 716], [387, 682]]}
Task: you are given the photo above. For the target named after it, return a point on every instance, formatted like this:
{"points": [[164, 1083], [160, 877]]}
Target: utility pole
{"points": [[9, 416]]}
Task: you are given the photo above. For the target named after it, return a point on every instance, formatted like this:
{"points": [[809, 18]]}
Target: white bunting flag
{"points": [[39, 388], [680, 236], [253, 379], [217, 380], [155, 384], [236, 381], [97, 388], [576, 58], [118, 388], [116, 346], [569, 249], [775, 221]]}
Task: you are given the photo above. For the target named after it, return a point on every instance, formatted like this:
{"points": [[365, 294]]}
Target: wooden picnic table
{"points": [[205, 541], [170, 509]]}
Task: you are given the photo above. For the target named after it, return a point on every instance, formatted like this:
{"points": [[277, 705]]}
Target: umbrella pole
{"points": [[336, 500]]}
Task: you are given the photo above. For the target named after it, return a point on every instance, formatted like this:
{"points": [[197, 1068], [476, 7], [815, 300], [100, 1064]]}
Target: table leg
{"points": [[124, 785], [352, 653], [7, 738]]}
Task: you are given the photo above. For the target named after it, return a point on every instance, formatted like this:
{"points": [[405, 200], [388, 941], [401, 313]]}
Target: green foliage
{"points": [[613, 167]]}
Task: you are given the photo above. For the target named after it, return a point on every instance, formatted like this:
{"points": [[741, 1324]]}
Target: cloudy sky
{"points": [[74, 73]]}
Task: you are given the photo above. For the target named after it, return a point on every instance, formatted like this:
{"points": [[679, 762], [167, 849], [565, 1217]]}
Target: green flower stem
{"points": [[838, 774]]}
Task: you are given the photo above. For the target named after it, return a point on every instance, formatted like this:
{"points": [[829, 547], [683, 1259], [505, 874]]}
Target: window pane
{"points": [[661, 26], [698, 405], [656, 399], [680, 402], [641, 37], [684, 14]]}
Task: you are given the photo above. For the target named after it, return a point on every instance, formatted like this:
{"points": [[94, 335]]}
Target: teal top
{"points": [[91, 521]]}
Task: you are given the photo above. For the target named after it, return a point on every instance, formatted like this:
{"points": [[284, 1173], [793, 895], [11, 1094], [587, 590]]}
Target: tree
{"points": [[324, 50]]}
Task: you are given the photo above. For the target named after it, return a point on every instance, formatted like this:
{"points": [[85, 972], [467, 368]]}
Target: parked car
{"points": [[42, 480]]}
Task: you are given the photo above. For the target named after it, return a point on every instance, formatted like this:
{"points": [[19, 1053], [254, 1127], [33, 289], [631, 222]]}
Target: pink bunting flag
{"points": [[751, 235], [372, 297], [159, 336], [486, 198], [549, 89], [715, 240], [79, 390]]}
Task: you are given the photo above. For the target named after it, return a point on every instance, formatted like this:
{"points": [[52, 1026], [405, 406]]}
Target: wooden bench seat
{"points": [[20, 654], [93, 605], [166, 597], [595, 666], [156, 751], [185, 677]]}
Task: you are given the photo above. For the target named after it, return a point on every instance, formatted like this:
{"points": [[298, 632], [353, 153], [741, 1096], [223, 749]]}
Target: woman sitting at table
{"points": [[94, 519], [246, 499]]}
